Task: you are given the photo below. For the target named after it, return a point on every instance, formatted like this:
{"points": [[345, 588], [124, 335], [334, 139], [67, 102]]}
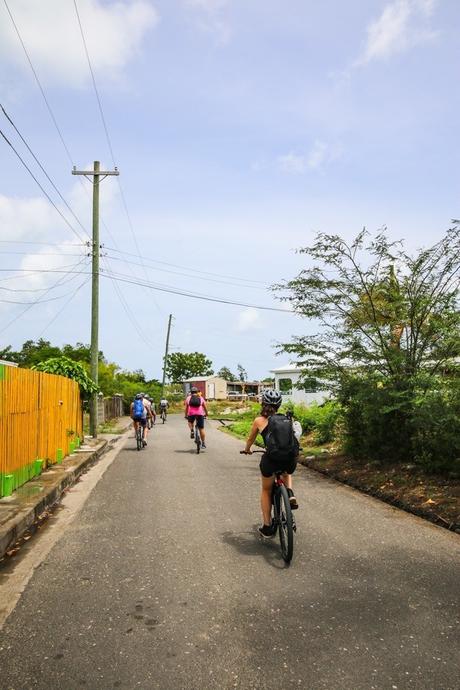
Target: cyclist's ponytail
{"points": [[269, 410]]}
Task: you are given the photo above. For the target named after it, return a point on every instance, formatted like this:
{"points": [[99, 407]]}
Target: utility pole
{"points": [[166, 355], [94, 176]]}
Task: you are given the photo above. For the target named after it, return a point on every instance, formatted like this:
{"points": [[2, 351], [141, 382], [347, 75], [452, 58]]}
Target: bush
{"points": [[320, 419], [436, 428]]}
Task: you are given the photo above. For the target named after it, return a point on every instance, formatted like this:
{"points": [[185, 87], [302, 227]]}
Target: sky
{"points": [[240, 128]]}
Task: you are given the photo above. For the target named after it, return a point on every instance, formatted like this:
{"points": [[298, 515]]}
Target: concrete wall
{"points": [[295, 395]]}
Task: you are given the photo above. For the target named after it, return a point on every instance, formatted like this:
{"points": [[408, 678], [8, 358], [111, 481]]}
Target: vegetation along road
{"points": [[160, 581]]}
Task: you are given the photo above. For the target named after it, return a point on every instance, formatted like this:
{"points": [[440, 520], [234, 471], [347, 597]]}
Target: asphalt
{"points": [[163, 582], [31, 503]]}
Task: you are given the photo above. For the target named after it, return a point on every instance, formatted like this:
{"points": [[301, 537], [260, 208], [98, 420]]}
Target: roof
{"points": [[196, 379], [287, 370], [8, 364]]}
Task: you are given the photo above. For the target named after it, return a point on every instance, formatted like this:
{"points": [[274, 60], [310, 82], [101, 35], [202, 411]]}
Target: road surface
{"points": [[161, 581]]}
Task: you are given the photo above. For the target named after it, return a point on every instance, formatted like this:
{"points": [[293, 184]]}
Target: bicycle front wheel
{"points": [[285, 523]]}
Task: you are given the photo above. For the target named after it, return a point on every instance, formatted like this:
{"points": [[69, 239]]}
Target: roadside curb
{"points": [[23, 509], [383, 496]]}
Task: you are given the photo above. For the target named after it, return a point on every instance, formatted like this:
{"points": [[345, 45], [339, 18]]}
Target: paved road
{"points": [[162, 582]]}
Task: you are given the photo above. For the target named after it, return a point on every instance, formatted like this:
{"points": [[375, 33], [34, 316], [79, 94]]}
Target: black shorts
{"points": [[199, 420], [268, 466], [142, 420]]}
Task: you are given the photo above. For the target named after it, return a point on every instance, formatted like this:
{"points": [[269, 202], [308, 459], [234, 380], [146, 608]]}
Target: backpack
{"points": [[195, 400], [138, 408], [280, 441]]}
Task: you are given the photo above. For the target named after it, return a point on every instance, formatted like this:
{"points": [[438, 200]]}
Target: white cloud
{"points": [[402, 25], [208, 18], [298, 164], [113, 31], [249, 319]]}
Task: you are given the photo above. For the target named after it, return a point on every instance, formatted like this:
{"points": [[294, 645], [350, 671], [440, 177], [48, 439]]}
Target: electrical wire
{"points": [[64, 306], [188, 268], [109, 144], [29, 306], [42, 188], [43, 170], [127, 309], [50, 244], [189, 275], [169, 289], [38, 81]]}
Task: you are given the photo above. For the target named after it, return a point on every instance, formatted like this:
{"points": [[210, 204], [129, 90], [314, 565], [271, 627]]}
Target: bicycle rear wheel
{"points": [[285, 523], [139, 439], [197, 439]]}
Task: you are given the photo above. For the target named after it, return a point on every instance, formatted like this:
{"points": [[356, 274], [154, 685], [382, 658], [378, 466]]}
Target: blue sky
{"points": [[241, 128]]}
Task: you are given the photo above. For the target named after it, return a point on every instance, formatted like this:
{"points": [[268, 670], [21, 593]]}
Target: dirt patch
{"points": [[433, 497]]}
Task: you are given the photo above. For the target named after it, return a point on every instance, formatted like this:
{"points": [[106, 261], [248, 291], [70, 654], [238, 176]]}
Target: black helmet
{"points": [[272, 397], [139, 396], [193, 389]]}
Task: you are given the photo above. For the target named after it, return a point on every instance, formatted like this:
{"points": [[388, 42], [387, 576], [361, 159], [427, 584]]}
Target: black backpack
{"points": [[195, 400], [280, 441]]}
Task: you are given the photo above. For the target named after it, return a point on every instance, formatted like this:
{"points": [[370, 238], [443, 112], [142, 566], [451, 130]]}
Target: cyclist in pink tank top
{"points": [[196, 412]]}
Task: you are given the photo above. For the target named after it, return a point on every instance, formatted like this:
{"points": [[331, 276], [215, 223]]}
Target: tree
{"points": [[63, 366], [242, 373], [389, 330], [185, 365], [226, 374]]}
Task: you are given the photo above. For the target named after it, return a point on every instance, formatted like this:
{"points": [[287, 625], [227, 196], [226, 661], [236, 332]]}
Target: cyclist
{"points": [[151, 408], [196, 410], [164, 405], [271, 401], [139, 412]]}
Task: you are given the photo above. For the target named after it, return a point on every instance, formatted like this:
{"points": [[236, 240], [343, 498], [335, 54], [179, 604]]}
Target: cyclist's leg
{"points": [[266, 499], [190, 422], [200, 425]]}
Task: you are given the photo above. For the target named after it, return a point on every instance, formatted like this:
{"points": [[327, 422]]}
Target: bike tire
{"points": [[139, 439], [197, 441], [285, 523]]}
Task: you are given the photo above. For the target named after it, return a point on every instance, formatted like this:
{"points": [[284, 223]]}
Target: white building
{"points": [[285, 381]]}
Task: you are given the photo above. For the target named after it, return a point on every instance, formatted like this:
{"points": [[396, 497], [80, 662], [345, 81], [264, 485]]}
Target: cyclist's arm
{"points": [[205, 408], [252, 436]]}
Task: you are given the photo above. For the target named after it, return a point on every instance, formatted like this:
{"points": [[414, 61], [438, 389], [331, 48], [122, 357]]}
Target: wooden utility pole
{"points": [[166, 355], [94, 176]]}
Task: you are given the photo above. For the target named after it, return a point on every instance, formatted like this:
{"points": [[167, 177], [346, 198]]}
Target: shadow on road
{"points": [[251, 544]]}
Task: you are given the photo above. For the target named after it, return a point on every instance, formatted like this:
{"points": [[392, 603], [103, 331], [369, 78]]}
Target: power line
{"points": [[188, 268], [38, 82], [38, 253], [43, 169], [66, 304], [109, 143], [207, 298], [127, 309], [43, 190], [50, 244], [189, 275], [29, 306], [36, 271]]}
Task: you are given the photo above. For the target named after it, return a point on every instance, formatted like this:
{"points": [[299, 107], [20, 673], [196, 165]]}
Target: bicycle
{"points": [[140, 433], [282, 517], [163, 414]]}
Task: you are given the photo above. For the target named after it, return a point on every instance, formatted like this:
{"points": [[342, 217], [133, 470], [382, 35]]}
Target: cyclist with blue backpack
{"points": [[281, 452], [139, 412]]}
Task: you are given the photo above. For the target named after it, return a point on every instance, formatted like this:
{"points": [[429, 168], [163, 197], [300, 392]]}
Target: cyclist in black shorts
{"points": [[271, 401]]}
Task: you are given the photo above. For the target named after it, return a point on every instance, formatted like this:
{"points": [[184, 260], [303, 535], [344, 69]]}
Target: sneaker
{"points": [[144, 443], [292, 500], [267, 531], [203, 445], [192, 435]]}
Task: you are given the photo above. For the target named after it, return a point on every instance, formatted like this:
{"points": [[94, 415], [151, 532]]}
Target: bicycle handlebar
{"points": [[243, 452]]}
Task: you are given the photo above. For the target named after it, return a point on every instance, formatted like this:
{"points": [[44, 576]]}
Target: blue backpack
{"points": [[138, 409]]}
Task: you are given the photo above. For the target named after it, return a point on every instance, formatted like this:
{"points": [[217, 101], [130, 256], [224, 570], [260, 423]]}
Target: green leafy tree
{"points": [[242, 373], [185, 365], [226, 374], [63, 366], [389, 331]]}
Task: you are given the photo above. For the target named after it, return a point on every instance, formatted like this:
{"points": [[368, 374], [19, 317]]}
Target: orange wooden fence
{"points": [[40, 423]]}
